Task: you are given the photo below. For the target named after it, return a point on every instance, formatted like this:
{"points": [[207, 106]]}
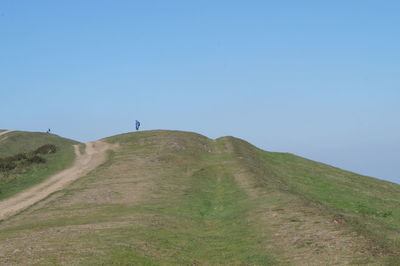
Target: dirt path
{"points": [[5, 132], [95, 155]]}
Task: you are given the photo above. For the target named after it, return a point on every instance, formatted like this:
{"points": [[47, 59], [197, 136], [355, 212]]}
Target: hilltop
{"points": [[170, 197]]}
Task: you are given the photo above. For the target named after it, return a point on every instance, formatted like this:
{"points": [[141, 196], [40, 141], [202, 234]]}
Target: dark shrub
{"points": [[6, 165], [22, 161], [18, 157], [36, 159], [46, 149], [7, 162]]}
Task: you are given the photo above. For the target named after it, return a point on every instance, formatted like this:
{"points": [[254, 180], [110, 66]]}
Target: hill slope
{"points": [[167, 197], [16, 142], [20, 141]]}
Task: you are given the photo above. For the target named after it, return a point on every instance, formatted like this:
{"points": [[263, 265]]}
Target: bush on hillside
{"points": [[18, 157], [22, 161], [36, 159], [46, 149], [7, 165]]}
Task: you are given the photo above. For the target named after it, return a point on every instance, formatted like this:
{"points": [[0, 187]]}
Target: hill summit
{"points": [[171, 197]]}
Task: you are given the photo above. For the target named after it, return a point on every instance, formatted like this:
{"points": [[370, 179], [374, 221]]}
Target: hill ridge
{"points": [[172, 197]]}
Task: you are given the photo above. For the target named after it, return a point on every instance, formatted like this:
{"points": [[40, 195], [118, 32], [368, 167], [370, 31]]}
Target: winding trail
{"points": [[94, 156]]}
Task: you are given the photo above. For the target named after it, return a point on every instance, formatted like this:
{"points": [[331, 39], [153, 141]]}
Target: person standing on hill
{"points": [[137, 125]]}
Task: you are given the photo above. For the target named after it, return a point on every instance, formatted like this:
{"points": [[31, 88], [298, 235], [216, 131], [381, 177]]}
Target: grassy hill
{"points": [[17, 142], [169, 197]]}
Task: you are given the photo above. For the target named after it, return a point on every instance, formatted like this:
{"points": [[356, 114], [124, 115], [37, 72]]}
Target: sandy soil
{"points": [[94, 156]]}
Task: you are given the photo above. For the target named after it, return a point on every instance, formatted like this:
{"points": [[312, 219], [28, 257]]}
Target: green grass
{"points": [[186, 217], [169, 197], [337, 188], [369, 206], [18, 142], [206, 222], [206, 225]]}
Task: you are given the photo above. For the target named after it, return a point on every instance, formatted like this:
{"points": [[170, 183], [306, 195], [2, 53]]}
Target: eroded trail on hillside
{"points": [[5, 132], [94, 156]]}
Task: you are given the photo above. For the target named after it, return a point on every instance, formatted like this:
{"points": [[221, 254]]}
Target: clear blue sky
{"points": [[320, 79]]}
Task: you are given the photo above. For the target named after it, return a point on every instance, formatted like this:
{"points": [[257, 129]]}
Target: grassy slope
{"points": [[366, 205], [161, 199], [18, 142], [177, 198], [199, 213], [369, 205]]}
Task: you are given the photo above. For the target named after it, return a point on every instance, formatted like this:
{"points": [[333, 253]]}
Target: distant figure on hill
{"points": [[48, 131], [137, 125]]}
